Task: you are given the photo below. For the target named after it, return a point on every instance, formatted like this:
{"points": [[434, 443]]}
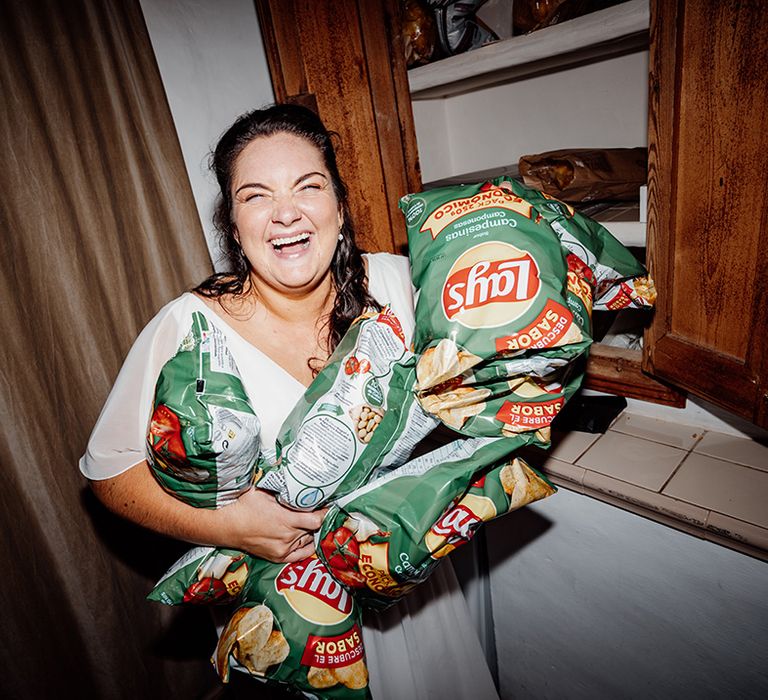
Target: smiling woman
{"points": [[297, 282], [286, 216]]}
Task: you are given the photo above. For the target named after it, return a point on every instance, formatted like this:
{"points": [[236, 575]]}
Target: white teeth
{"points": [[299, 238]]}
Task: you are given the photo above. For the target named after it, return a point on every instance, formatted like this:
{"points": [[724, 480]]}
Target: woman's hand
{"points": [[254, 523], [269, 530]]}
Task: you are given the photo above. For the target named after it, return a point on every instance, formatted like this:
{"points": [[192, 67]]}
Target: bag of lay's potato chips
{"points": [[386, 537], [294, 625], [506, 290], [358, 415], [203, 438], [492, 284], [519, 402]]}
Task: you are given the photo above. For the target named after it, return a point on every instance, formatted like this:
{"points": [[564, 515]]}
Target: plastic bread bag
{"points": [[294, 626], [386, 537], [203, 438], [587, 174], [358, 416]]}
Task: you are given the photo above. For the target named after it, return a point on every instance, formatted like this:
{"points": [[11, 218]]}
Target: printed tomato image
{"points": [[364, 366], [165, 430], [350, 578], [205, 590], [341, 549], [351, 365]]}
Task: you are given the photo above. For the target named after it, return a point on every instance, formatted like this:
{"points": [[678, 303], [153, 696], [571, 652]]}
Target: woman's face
{"points": [[286, 215]]}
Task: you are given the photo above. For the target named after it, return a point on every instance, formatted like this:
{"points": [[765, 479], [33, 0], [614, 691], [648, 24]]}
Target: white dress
{"points": [[425, 646]]}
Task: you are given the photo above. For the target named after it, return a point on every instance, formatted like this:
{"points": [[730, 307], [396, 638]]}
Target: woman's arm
{"points": [[255, 523]]}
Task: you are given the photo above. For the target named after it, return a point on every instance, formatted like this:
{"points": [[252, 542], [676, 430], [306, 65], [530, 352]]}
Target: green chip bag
{"points": [[507, 279], [491, 278], [203, 438], [387, 536], [294, 625], [358, 416]]}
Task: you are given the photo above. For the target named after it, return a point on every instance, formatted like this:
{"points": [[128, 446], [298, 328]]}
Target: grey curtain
{"points": [[98, 231]]}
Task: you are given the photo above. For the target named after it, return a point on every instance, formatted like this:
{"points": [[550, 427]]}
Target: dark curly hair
{"points": [[347, 268]]}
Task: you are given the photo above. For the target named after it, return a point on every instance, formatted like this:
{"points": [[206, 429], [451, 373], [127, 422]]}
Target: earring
{"points": [[341, 237]]}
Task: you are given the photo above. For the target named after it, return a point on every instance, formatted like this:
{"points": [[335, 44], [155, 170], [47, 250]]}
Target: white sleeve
{"points": [[389, 282], [118, 440]]}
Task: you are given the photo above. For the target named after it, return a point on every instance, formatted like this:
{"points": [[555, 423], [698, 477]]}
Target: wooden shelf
{"points": [[614, 31]]}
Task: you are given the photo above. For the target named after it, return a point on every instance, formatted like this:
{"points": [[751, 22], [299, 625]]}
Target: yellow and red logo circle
{"points": [[313, 593], [490, 285]]}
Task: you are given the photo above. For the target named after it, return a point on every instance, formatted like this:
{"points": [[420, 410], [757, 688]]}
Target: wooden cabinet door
{"points": [[708, 200], [344, 60]]}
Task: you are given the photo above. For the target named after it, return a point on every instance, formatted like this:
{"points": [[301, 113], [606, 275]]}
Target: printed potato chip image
{"points": [[522, 484], [321, 677], [258, 659], [441, 363], [454, 407], [645, 289], [354, 676], [249, 637]]}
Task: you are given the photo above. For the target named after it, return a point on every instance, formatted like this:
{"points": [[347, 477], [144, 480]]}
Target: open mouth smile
{"points": [[291, 243]]}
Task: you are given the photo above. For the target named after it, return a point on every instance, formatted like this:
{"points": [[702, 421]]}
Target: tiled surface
{"points": [[734, 449], [723, 526], [724, 487], [711, 485], [636, 461], [568, 447], [683, 437], [565, 472], [660, 503]]}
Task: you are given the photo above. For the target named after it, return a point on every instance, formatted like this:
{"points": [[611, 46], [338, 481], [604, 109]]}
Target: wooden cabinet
{"points": [[343, 58], [707, 185], [708, 201]]}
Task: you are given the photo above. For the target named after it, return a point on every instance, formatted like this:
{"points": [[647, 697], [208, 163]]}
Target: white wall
{"points": [[600, 105], [213, 66], [590, 601]]}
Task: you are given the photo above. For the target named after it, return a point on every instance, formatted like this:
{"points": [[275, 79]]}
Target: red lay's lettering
{"points": [[490, 285], [457, 522], [490, 282], [313, 593]]}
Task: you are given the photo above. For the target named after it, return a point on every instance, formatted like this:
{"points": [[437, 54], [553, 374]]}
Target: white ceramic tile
{"points": [[564, 472], [568, 447], [734, 490], [621, 502], [687, 514], [734, 449], [723, 526], [677, 435], [640, 462]]}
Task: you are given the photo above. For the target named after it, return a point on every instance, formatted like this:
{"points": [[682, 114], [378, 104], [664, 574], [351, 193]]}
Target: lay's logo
{"points": [[490, 285], [313, 593], [458, 524]]}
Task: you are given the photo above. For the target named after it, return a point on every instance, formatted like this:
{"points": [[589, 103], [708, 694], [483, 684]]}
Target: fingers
{"points": [[299, 554], [309, 521]]}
